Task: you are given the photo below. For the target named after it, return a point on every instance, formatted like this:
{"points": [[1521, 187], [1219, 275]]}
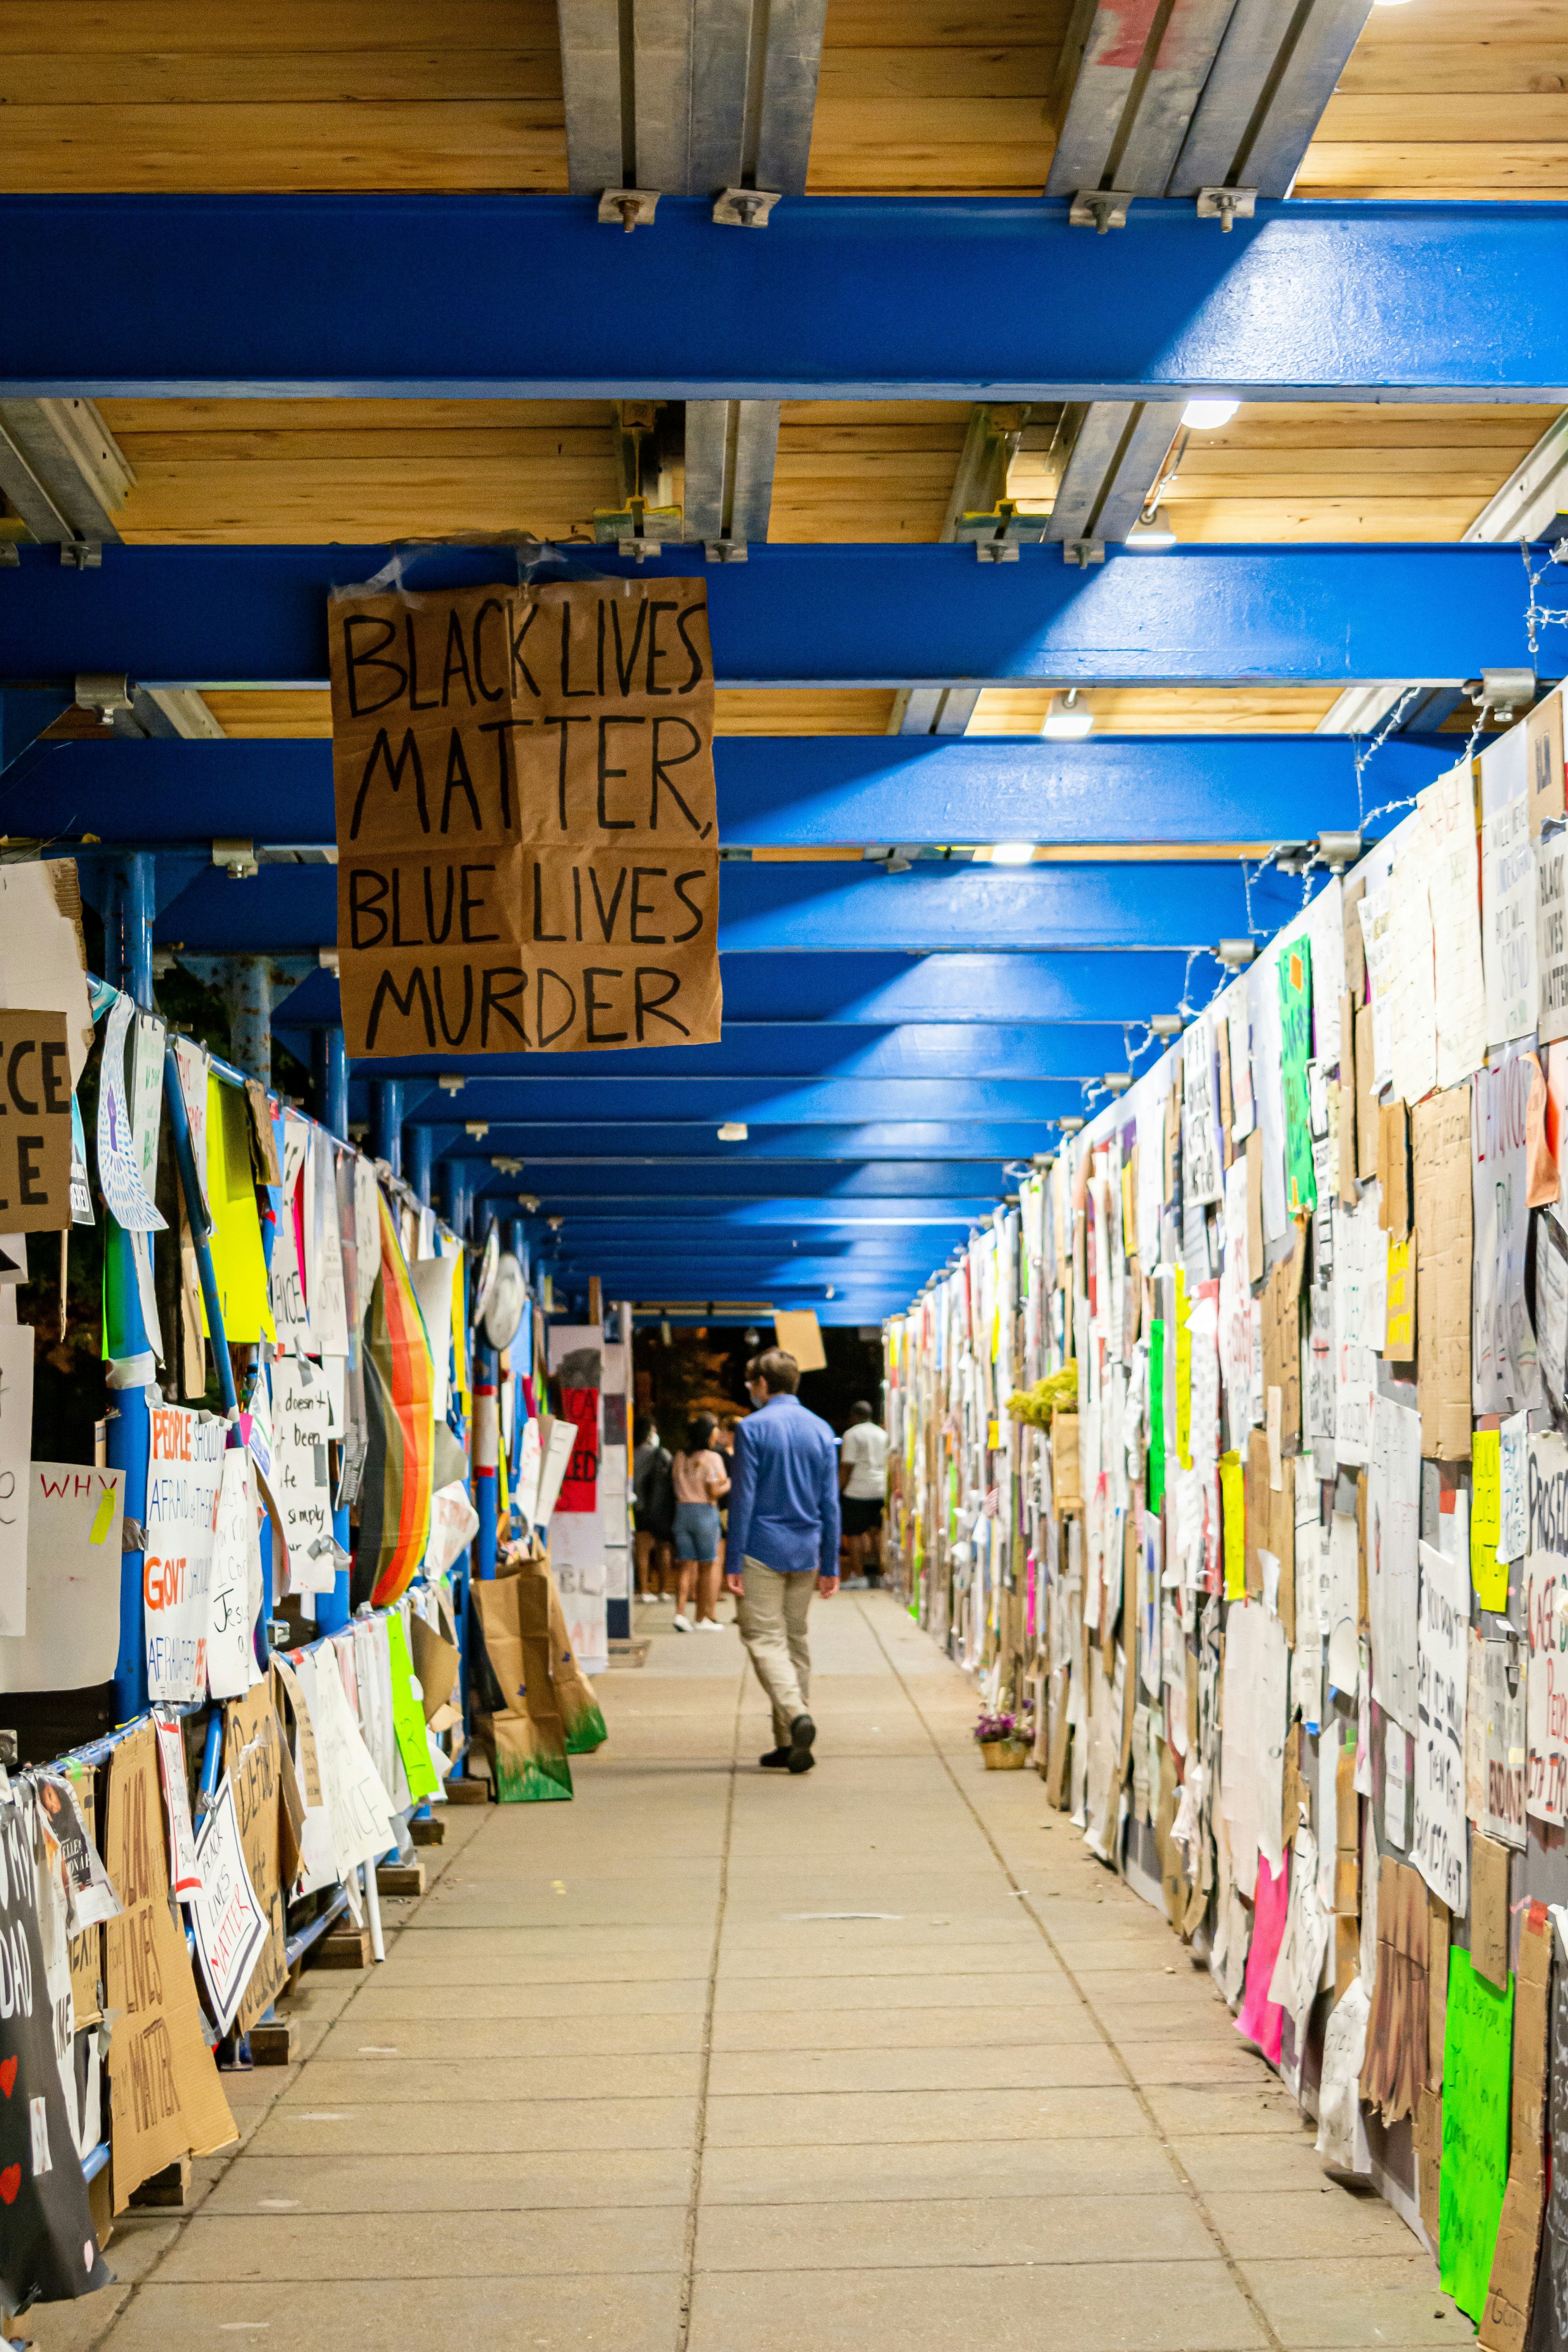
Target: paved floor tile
{"points": [[630, 2056]]}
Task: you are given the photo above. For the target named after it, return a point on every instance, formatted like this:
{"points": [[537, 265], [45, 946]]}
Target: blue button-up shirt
{"points": [[783, 1496]]}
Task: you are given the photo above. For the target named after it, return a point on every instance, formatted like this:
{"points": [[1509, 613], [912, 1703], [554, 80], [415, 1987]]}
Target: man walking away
{"points": [[863, 1482], [783, 1536]]}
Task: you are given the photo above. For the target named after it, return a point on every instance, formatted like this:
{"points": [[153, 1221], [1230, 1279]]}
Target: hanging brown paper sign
{"points": [[528, 847]]}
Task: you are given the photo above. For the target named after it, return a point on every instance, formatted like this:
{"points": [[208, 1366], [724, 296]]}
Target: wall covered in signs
{"points": [[1231, 1458]]}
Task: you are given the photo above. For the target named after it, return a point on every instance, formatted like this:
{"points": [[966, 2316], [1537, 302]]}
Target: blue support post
{"points": [[386, 1114], [421, 1143], [330, 1067], [128, 943]]}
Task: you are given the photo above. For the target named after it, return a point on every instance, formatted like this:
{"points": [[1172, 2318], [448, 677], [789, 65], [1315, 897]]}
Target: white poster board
{"points": [[72, 1637], [184, 1467]]}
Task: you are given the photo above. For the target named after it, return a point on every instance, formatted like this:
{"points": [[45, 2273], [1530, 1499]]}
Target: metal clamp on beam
{"points": [[628, 208], [1083, 552], [238, 858], [1227, 205], [726, 550], [102, 691], [744, 207], [1100, 209], [84, 554], [999, 534]]}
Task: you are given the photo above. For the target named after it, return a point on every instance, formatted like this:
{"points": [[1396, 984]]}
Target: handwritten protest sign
{"points": [[528, 852], [1546, 1586], [165, 2097], [184, 1467], [36, 1132], [230, 1924]]}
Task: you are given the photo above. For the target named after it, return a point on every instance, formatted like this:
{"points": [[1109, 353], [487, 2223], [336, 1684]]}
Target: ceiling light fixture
{"points": [[1208, 416], [1012, 853], [1068, 719], [733, 1131]]}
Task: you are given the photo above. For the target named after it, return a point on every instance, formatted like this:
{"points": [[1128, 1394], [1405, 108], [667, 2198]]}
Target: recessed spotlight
{"points": [[1068, 719], [1012, 853], [1208, 416]]}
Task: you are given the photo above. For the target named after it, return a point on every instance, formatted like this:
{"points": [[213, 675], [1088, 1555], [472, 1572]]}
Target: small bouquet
{"points": [[1005, 1741]]}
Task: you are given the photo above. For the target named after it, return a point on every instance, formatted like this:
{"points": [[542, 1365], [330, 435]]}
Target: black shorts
{"points": [[862, 1514]]}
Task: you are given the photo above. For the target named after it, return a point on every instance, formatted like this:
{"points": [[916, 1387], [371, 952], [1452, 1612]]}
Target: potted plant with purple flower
{"points": [[1004, 1742]]}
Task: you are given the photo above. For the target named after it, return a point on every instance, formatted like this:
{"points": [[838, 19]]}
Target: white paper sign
{"points": [[1441, 1847], [1411, 976], [15, 1483], [324, 1248], [1360, 1294], [191, 1063], [1392, 1524], [235, 1582], [184, 1870], [1546, 1588], [184, 1466], [357, 1802], [300, 1481], [1513, 1460], [74, 1523], [290, 1309], [231, 1927], [118, 1165], [1448, 812], [1504, 1372], [1507, 891], [1202, 1161], [1501, 1812], [1243, 1116], [1551, 929]]}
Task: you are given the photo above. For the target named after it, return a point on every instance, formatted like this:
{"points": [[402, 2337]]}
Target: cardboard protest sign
{"points": [[165, 2098], [72, 1636], [48, 2246], [234, 1598], [527, 853], [1505, 2321], [1546, 1588], [1440, 1138], [35, 1136], [229, 1922], [253, 1768], [185, 1468]]}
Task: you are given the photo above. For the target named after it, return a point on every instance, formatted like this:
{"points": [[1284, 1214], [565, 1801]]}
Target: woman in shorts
{"points": [[700, 1478]]}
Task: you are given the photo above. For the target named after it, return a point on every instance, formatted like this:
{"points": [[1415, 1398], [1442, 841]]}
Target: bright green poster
{"points": [[1296, 1052], [407, 1713], [1477, 2045], [1155, 1473]]}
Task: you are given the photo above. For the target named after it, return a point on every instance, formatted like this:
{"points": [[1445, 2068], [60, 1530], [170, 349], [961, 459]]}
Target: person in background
{"points": [[784, 1539], [699, 1478], [653, 1509], [863, 1484]]}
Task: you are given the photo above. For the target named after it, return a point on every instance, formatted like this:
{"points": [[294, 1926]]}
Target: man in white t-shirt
{"points": [[863, 1485]]}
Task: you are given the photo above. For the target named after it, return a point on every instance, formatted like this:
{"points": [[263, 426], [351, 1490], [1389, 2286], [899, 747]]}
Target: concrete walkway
{"points": [[716, 2060]]}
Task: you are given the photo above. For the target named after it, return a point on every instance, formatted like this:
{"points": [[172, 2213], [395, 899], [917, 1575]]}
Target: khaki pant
{"points": [[772, 1615]]}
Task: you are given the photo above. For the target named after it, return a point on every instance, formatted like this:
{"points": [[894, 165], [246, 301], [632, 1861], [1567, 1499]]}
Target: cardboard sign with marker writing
{"points": [[527, 849], [35, 1123]]}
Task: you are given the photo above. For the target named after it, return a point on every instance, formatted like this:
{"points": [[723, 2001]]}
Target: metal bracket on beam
{"points": [[744, 207], [103, 691], [86, 554], [1083, 552], [628, 208], [1227, 205], [238, 858], [999, 534], [726, 550], [1100, 209]]}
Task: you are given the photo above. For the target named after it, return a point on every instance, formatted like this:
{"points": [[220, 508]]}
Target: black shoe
{"points": [[774, 1761], [802, 1732]]}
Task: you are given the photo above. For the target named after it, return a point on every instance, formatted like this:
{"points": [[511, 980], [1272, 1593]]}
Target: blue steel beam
{"points": [[623, 1220], [608, 1100], [694, 1145], [778, 1049], [608, 1186], [781, 791], [843, 298], [825, 909], [223, 617], [880, 991]]}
